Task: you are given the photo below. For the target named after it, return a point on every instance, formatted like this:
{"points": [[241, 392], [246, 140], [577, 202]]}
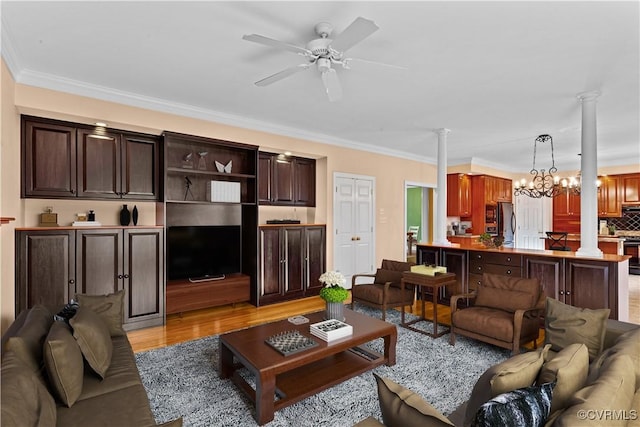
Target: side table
{"points": [[423, 281]]}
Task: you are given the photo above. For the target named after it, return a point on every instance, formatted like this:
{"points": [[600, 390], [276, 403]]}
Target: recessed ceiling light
{"points": [[101, 124], [287, 153]]}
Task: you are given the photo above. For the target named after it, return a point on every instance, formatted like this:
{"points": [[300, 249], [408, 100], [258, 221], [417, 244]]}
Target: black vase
{"points": [[134, 215], [125, 216]]}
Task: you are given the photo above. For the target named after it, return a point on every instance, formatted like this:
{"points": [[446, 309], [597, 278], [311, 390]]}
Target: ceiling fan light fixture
{"points": [[323, 64]]}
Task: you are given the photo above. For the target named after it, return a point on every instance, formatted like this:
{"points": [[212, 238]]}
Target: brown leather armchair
{"points": [[385, 290], [505, 312]]}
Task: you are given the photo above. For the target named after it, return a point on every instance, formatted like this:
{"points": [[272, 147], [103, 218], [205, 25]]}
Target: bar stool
{"points": [[558, 241]]}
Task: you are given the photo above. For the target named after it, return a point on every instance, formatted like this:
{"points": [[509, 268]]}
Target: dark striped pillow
{"points": [[525, 407]]}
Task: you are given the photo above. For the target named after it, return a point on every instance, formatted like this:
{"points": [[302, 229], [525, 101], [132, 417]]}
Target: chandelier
{"points": [[573, 184], [543, 183]]}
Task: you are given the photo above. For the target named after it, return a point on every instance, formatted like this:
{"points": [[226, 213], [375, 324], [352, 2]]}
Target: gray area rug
{"points": [[182, 380]]}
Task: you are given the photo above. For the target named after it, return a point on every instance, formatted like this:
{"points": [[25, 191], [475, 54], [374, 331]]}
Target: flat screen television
{"points": [[203, 252]]}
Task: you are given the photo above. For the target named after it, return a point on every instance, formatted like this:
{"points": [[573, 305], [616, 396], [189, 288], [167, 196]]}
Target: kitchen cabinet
{"points": [[609, 201], [292, 258], [487, 191], [630, 186], [286, 180], [458, 195], [68, 160], [566, 212], [53, 266]]}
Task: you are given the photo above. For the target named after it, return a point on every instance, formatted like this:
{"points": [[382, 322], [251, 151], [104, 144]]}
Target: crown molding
{"points": [[62, 84]]}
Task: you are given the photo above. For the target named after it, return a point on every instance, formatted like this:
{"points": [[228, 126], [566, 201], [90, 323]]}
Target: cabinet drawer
{"points": [[474, 281], [479, 267], [496, 258]]}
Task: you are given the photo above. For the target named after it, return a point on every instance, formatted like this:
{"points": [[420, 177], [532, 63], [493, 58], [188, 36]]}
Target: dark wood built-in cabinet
{"points": [[292, 258], [53, 265], [286, 180], [69, 160], [190, 168]]}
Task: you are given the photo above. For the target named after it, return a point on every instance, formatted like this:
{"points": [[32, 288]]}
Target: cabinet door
{"points": [[609, 203], [283, 181], [458, 195], [456, 262], [265, 174], [99, 261], [314, 258], [291, 246], [550, 272], [140, 174], [48, 160], [99, 165], [143, 275], [305, 182], [631, 188], [270, 264], [592, 285], [44, 268]]}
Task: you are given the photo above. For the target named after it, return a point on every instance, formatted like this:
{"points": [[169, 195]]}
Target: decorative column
{"points": [[589, 176], [440, 229]]}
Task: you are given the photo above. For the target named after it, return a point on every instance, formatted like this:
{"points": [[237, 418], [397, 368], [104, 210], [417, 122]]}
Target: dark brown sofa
{"points": [[31, 396]]}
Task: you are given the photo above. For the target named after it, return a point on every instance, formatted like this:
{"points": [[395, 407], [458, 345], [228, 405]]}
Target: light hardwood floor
{"points": [[202, 323]]}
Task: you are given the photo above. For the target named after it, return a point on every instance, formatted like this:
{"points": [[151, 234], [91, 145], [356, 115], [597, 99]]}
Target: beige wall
{"points": [[390, 173]]}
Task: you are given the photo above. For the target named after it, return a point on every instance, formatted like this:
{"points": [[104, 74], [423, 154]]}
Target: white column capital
{"points": [[590, 95], [442, 131]]}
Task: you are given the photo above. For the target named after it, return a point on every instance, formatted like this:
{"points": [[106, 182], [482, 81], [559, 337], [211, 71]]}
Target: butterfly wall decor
{"points": [[224, 168]]}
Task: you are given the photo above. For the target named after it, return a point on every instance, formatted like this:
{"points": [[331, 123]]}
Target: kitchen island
{"points": [[587, 282]]}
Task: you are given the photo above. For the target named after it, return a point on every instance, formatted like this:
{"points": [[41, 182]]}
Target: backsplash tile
{"points": [[629, 221]]}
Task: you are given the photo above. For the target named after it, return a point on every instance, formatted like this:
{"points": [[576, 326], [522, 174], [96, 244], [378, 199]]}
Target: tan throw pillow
{"points": [[569, 369], [403, 408], [94, 340], [25, 399], [611, 394], [109, 307], [516, 372], [566, 325], [27, 343], [63, 362]]}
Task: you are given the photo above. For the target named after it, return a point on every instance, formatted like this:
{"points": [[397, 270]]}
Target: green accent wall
{"points": [[414, 209]]}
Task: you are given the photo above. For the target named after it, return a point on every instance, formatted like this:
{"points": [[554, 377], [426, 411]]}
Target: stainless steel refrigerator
{"points": [[506, 223]]}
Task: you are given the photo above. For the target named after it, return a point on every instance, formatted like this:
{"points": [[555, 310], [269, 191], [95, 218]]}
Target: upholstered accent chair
{"points": [[385, 290], [505, 311]]}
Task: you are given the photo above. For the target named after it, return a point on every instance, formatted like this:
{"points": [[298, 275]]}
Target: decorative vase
{"points": [[125, 216], [335, 310], [134, 215]]}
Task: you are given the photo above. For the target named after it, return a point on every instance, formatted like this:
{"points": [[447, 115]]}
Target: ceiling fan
{"points": [[323, 52]]}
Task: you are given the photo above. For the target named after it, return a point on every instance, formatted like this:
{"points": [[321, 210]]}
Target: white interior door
{"points": [[353, 218], [531, 222]]}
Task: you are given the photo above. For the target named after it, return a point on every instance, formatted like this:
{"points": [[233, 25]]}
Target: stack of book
{"points": [[331, 329]]}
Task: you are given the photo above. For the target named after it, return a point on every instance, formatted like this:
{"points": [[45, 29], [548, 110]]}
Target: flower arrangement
{"points": [[333, 290]]}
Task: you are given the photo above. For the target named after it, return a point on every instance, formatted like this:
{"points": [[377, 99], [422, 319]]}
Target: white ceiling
{"points": [[496, 73]]}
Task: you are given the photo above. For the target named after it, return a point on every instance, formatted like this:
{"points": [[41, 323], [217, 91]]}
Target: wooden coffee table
{"points": [[300, 375]]}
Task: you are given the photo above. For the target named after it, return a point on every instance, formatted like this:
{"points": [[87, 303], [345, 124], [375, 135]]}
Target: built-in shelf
{"points": [[210, 173]]}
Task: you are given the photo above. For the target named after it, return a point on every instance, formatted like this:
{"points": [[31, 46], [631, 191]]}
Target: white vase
{"points": [[335, 310]]}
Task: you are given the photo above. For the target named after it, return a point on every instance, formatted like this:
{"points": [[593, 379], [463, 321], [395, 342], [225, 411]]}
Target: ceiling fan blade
{"points": [[332, 85], [347, 60], [359, 30], [277, 43], [282, 74]]}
